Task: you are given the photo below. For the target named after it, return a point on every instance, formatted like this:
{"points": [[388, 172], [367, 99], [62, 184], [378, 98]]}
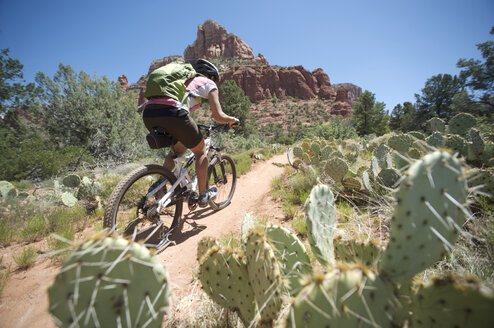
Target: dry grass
{"points": [[198, 310]]}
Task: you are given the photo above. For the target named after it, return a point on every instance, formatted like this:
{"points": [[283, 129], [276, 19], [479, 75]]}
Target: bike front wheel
{"points": [[222, 174], [132, 208]]}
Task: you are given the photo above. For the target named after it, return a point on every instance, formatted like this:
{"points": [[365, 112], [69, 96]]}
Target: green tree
{"points": [[236, 103], [479, 76], [403, 117], [370, 116], [437, 97], [94, 113], [13, 93]]}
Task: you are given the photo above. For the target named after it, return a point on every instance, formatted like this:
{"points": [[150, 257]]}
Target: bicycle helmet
{"points": [[207, 69]]}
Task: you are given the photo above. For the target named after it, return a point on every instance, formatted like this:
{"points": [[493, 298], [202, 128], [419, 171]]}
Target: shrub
{"points": [[27, 258]]}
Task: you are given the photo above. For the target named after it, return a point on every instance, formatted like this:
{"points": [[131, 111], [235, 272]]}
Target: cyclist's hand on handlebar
{"points": [[234, 123]]}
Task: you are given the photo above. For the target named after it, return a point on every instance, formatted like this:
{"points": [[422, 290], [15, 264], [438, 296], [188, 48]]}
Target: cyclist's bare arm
{"points": [[218, 114]]}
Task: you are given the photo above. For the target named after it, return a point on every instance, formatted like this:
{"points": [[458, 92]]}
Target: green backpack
{"points": [[169, 81]]}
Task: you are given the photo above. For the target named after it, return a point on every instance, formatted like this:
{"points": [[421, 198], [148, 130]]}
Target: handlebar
{"points": [[224, 126], [212, 127]]}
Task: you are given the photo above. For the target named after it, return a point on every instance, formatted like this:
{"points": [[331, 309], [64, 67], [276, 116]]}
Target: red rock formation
{"points": [[341, 109], [124, 82], [342, 94], [353, 91], [215, 41], [265, 82]]}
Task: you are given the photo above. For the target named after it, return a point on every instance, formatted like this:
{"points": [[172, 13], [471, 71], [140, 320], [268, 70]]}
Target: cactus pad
{"points": [[351, 183], [345, 297], [326, 152], [367, 182], [291, 254], [400, 143], [320, 222], [264, 276], [351, 251], [205, 245], [452, 301], [71, 181], [68, 199], [461, 123], [380, 153], [484, 178], [388, 177], [336, 168], [109, 283], [436, 124], [427, 217], [7, 190], [435, 140], [456, 144], [223, 275], [298, 152], [417, 135]]}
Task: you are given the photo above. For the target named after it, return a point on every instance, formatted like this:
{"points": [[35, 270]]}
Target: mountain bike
{"points": [[147, 204]]}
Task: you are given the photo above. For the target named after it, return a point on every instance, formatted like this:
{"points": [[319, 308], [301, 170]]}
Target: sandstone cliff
{"points": [[266, 82], [254, 75], [215, 41]]}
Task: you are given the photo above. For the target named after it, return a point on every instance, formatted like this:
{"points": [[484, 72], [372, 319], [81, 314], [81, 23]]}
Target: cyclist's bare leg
{"points": [[201, 164], [178, 149]]}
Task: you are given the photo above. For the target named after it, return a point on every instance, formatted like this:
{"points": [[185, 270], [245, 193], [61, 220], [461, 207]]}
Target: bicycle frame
{"points": [[184, 180]]}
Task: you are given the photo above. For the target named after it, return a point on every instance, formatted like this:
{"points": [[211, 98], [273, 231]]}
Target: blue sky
{"points": [[389, 47]]}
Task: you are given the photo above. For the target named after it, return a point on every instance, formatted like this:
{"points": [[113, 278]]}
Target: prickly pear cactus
{"points": [[205, 244], [247, 223], [389, 177], [417, 135], [435, 140], [351, 183], [476, 147], [484, 178], [354, 251], [380, 154], [347, 296], [428, 215], [453, 301], [367, 182], [68, 199], [400, 143], [224, 277], [89, 189], [399, 160], [461, 123], [265, 276], [320, 222], [72, 181], [457, 144], [336, 168], [110, 283], [436, 124], [298, 152], [291, 254], [326, 153], [7, 190], [290, 156]]}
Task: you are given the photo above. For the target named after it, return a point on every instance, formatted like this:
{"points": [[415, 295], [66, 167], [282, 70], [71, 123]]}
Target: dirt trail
{"points": [[24, 301]]}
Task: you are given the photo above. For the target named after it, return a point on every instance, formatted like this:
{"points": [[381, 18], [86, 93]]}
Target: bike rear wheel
{"points": [[132, 210], [222, 174]]}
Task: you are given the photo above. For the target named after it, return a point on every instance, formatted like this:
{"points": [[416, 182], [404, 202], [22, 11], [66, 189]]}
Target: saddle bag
{"points": [[159, 139]]}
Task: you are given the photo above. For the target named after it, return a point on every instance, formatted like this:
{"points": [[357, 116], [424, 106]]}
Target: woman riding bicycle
{"points": [[173, 115]]}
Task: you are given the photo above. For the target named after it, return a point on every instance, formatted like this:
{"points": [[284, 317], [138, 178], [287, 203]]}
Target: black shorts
{"points": [[176, 123]]}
